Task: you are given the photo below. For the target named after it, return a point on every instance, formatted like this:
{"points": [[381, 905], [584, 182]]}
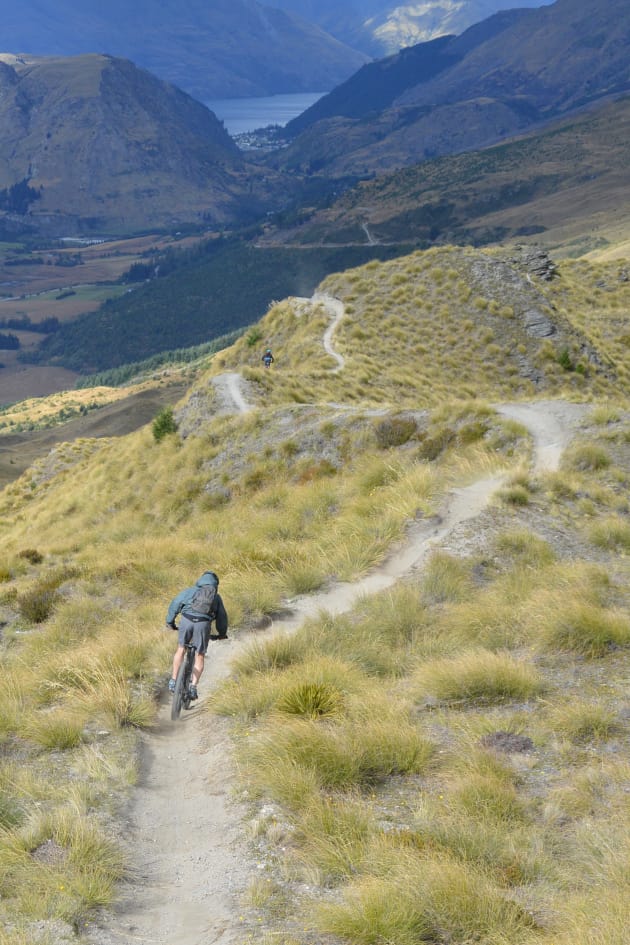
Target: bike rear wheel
{"points": [[180, 693]]}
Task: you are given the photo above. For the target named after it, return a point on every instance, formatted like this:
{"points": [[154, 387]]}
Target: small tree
{"points": [[164, 424]]}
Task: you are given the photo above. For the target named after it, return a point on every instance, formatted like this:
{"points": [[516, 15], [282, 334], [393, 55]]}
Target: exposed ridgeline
{"points": [[106, 147], [512, 72], [222, 49], [451, 322]]}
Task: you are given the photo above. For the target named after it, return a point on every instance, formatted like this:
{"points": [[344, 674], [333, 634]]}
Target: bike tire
{"points": [[181, 689]]}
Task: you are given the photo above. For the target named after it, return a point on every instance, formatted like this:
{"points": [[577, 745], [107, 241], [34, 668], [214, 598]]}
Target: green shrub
{"points": [[164, 424]]}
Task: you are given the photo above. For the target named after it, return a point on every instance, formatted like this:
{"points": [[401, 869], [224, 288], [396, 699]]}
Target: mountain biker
{"points": [[195, 623], [267, 358]]}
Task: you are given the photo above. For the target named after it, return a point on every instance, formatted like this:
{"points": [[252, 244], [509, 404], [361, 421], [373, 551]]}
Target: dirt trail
{"points": [[229, 388], [184, 800]]}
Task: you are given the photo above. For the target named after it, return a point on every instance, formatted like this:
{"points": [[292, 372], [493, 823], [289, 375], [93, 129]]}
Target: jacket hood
{"points": [[208, 577]]}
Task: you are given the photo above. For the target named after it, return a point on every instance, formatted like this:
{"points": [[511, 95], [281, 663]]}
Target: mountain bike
{"points": [[181, 697]]}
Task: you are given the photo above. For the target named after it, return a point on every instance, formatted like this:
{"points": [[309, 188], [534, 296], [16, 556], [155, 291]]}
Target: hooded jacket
{"points": [[179, 603]]}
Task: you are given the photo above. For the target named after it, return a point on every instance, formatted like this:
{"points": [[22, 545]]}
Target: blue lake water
{"points": [[240, 115]]}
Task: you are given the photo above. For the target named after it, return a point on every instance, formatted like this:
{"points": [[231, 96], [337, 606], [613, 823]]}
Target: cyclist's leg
{"points": [[197, 668], [185, 632], [177, 660], [201, 639]]}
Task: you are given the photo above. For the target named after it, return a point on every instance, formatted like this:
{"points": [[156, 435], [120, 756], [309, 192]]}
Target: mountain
{"points": [[382, 27], [209, 48], [506, 75], [93, 144], [568, 185]]}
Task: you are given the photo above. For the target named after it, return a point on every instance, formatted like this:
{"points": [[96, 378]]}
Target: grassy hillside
{"points": [[417, 322], [567, 186], [449, 759]]}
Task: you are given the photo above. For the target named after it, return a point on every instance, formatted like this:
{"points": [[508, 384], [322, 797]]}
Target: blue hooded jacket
{"points": [[179, 603]]}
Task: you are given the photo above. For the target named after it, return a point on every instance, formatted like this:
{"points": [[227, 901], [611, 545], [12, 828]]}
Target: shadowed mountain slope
{"points": [[568, 185], [509, 74]]}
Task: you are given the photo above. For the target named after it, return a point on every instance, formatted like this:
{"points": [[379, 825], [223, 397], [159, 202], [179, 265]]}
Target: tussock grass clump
{"points": [[517, 490], [61, 867], [103, 687], [489, 619], [482, 797], [445, 578], [334, 836], [11, 811], [573, 613], [37, 605], [256, 691], [426, 899], [479, 676], [381, 637], [311, 700], [583, 721], [395, 431], [278, 652], [586, 457], [352, 753], [611, 533], [604, 414], [582, 626], [31, 555], [58, 730], [525, 548]]}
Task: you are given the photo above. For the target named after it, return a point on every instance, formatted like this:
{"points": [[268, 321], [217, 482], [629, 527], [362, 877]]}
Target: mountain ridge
{"points": [[515, 71]]}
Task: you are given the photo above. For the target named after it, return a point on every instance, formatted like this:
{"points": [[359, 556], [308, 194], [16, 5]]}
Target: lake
{"points": [[241, 115]]}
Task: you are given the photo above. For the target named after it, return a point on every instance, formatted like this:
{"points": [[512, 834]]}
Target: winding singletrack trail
{"points": [[191, 865]]}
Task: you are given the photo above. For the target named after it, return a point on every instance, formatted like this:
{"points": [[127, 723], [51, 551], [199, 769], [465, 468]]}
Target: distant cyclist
{"points": [[199, 606], [267, 358]]}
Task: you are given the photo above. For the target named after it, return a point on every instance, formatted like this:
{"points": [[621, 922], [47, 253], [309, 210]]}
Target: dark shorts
{"points": [[196, 632]]}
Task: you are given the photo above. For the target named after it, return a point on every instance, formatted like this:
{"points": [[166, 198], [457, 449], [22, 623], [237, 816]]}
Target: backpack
{"points": [[203, 599]]}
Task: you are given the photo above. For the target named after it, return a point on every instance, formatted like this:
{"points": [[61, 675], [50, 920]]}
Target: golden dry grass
{"points": [[367, 729]]}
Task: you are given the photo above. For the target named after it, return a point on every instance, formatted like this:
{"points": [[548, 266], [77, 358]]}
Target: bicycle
{"points": [[181, 695]]}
